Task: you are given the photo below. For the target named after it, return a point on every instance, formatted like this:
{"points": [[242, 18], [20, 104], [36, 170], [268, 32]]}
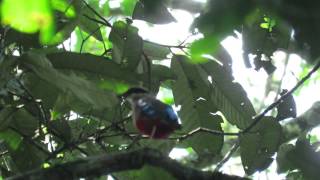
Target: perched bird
{"points": [[151, 116]]}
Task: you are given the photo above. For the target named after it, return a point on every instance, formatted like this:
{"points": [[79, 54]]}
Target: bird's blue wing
{"points": [[154, 111], [147, 109], [171, 115]]}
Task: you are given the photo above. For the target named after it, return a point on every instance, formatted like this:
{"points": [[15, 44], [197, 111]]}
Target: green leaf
{"points": [[269, 24], [259, 145], [303, 123], [64, 7], [91, 27], [114, 85], [6, 115], [29, 17], [283, 163], [105, 9], [93, 66], [153, 12], [295, 175], [229, 97], [83, 90], [204, 46], [264, 25], [127, 45], [40, 89], [222, 17], [6, 67], [155, 51], [82, 128], [127, 6], [189, 86], [64, 32], [206, 143], [305, 158], [190, 90], [162, 73], [287, 107], [27, 156], [12, 138], [61, 129], [25, 122]]}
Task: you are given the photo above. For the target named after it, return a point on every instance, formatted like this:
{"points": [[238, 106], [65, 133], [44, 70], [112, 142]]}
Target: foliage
{"points": [[63, 63]]}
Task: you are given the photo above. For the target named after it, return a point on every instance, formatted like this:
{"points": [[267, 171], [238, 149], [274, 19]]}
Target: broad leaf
{"points": [[162, 73], [25, 122], [11, 138], [6, 117], [190, 90], [222, 17], [80, 88], [90, 26], [155, 51], [27, 156], [82, 128], [40, 88], [303, 123], [283, 163], [29, 17], [127, 6], [93, 65], [287, 107], [260, 144], [6, 67], [153, 12], [127, 44], [305, 158], [229, 97], [64, 7], [60, 128], [64, 32]]}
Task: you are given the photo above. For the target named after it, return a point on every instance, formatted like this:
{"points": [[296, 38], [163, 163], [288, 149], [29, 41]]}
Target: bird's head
{"points": [[133, 93]]}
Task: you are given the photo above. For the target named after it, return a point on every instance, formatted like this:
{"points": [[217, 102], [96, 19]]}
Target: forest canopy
{"points": [[64, 63]]}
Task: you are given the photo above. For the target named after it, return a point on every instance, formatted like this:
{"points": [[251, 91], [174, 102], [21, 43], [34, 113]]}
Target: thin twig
{"points": [[86, 38], [96, 20], [201, 129], [180, 46], [287, 56], [228, 155], [96, 134], [97, 14], [148, 61]]}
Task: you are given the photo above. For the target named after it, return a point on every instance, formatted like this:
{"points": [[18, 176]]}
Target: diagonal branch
{"points": [[276, 103], [106, 164], [105, 22]]}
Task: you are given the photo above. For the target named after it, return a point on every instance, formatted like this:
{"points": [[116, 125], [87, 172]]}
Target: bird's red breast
{"points": [[146, 126]]}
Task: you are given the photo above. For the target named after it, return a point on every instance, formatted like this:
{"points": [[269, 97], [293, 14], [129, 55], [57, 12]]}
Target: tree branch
{"points": [[276, 103], [106, 164]]}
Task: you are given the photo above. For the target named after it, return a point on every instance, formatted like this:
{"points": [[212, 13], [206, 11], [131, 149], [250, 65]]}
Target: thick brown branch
{"points": [[106, 164]]}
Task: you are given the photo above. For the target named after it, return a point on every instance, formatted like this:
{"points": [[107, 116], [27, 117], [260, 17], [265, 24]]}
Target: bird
{"points": [[151, 116]]}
